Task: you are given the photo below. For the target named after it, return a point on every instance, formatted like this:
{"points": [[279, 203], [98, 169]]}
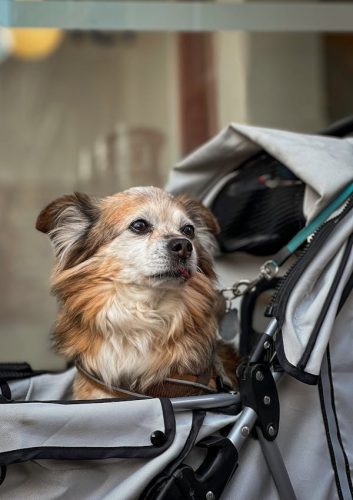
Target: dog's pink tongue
{"points": [[185, 273]]}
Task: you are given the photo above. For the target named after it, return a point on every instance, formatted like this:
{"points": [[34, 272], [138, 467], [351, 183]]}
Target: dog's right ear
{"points": [[67, 221]]}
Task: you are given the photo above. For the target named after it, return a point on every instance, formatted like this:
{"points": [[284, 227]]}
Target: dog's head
{"points": [[153, 238]]}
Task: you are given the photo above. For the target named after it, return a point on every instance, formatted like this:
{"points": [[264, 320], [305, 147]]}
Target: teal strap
{"points": [[270, 268], [319, 220]]}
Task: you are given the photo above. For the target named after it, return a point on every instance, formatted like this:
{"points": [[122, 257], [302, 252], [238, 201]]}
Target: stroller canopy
{"points": [[307, 311], [325, 164]]}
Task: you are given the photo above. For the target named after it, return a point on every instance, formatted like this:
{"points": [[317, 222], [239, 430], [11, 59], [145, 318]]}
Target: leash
{"points": [[271, 267], [113, 388], [153, 389]]}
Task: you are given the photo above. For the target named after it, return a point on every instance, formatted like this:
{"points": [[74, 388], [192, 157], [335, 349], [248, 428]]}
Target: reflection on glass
{"points": [[100, 112]]}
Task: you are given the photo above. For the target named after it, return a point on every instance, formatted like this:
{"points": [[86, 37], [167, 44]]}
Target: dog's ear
{"points": [[206, 227], [67, 220]]}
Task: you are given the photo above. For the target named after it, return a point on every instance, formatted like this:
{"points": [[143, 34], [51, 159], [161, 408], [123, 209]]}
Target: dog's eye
{"points": [[188, 230], [140, 226]]}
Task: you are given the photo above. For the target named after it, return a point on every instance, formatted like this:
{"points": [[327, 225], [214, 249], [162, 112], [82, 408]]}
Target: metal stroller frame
{"points": [[261, 411]]}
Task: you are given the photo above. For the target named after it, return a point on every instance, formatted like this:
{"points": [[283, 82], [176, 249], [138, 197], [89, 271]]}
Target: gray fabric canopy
{"points": [[325, 165]]}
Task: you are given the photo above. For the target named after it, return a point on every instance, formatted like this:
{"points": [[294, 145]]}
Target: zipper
{"points": [[280, 297]]}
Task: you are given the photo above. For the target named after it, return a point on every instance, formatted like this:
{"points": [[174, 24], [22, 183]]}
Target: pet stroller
{"points": [[285, 196]]}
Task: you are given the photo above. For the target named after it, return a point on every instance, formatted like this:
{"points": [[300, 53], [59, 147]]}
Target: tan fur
{"points": [[86, 389], [114, 319]]}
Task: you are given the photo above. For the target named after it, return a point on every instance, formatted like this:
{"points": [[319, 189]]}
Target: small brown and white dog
{"points": [[135, 283]]}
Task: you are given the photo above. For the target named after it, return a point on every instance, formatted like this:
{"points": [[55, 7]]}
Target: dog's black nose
{"points": [[180, 247]]}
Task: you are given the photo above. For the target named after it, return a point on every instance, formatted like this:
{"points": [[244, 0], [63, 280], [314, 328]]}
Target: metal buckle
{"points": [[267, 271]]}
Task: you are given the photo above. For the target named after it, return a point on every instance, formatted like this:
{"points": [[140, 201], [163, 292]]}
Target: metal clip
{"points": [[267, 271], [243, 286], [229, 301]]}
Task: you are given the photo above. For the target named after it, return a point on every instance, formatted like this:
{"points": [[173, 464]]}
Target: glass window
{"points": [[101, 110]]}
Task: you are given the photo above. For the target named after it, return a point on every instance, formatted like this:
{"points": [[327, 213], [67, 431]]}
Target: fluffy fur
{"points": [[132, 311]]}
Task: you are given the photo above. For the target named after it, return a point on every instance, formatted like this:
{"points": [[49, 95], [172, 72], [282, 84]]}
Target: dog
{"points": [[138, 304]]}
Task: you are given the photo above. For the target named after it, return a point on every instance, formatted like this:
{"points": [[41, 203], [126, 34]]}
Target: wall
{"points": [[56, 116]]}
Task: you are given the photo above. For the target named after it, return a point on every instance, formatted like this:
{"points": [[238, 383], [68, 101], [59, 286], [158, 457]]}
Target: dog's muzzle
{"points": [[180, 251]]}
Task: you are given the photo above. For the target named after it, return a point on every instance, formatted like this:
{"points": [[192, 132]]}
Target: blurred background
{"points": [[99, 112]]}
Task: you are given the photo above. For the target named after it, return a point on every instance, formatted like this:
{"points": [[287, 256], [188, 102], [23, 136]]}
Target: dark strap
{"points": [[346, 292], [248, 336], [184, 385], [15, 371], [155, 488], [5, 391], [3, 471], [174, 388]]}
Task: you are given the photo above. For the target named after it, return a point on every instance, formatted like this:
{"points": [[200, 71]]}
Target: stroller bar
{"points": [[207, 480], [206, 401], [260, 347], [276, 466], [242, 428], [247, 420]]}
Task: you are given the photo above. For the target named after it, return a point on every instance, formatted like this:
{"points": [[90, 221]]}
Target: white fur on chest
{"points": [[135, 326]]}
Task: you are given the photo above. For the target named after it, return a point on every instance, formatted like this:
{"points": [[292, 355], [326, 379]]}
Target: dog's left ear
{"points": [[206, 227]]}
